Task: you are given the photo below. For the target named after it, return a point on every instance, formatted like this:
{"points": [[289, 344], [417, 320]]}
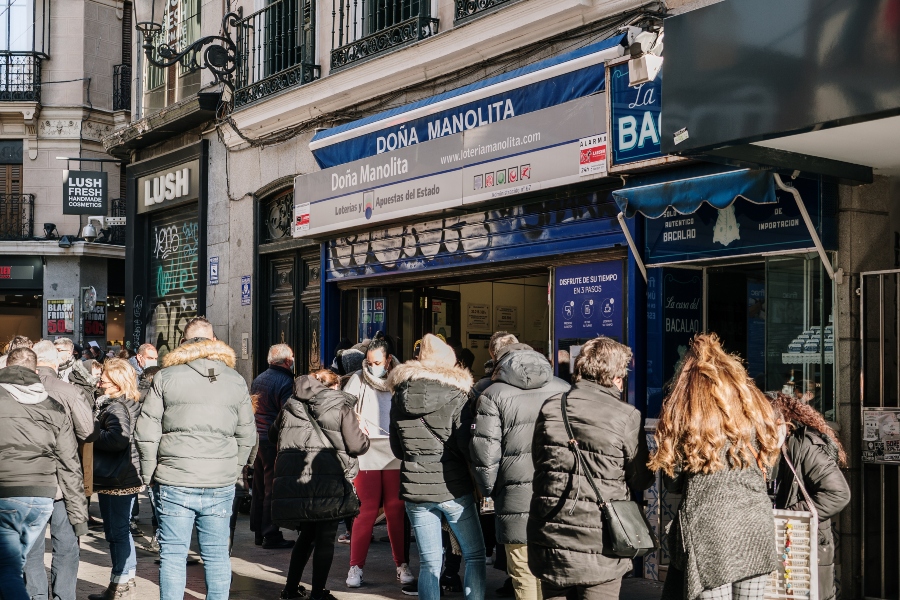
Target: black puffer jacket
{"points": [[565, 528], [117, 465], [426, 430], [815, 456], [503, 432], [312, 475]]}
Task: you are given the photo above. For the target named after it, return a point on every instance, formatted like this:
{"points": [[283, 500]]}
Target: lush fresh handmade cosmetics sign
{"points": [[85, 192]]}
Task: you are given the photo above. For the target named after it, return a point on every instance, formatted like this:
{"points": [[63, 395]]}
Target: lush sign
{"points": [[85, 193], [176, 185], [634, 117]]}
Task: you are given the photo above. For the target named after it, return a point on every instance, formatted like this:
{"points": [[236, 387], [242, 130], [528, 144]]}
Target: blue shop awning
{"points": [[686, 195]]}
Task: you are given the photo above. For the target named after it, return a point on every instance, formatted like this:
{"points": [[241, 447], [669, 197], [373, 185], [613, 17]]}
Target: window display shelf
{"points": [[806, 358]]}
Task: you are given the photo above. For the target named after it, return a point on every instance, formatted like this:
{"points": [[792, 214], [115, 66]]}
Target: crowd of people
{"points": [[513, 469]]}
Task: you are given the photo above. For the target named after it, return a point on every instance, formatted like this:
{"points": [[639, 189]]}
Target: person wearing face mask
{"points": [[146, 357], [378, 482]]}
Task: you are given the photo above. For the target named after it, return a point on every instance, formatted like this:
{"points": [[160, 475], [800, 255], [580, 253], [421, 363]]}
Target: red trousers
{"points": [[376, 489]]}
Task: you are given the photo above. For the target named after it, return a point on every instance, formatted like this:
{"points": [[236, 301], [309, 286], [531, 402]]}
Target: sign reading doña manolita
{"points": [[85, 193]]}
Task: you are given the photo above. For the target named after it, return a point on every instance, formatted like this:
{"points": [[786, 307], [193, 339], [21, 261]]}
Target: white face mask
{"points": [[377, 371], [150, 362]]}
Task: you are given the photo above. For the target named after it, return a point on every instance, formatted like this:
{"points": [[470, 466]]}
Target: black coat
{"points": [[815, 457], [312, 475], [117, 465], [565, 528], [502, 434], [273, 387], [427, 433]]}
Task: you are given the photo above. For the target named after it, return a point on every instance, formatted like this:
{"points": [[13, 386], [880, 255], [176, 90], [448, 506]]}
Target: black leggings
{"points": [[316, 539]]}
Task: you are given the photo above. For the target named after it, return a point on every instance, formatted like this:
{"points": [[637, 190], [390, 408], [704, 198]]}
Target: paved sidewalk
{"points": [[260, 574]]}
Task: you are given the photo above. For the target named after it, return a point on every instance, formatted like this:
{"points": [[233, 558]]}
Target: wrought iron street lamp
{"points": [[219, 51]]}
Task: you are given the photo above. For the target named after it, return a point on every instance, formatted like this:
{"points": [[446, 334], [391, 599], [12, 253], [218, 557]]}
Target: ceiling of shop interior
{"points": [[874, 144]]}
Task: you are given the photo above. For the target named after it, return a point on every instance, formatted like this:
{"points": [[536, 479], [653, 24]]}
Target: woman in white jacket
{"points": [[378, 482]]}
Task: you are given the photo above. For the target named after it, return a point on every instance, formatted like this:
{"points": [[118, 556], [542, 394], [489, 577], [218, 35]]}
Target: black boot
{"points": [[115, 591]]}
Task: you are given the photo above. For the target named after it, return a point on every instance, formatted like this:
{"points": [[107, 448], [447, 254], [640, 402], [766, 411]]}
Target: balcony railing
{"points": [[277, 50], [468, 9], [122, 87], [20, 76], [362, 29], [16, 216]]}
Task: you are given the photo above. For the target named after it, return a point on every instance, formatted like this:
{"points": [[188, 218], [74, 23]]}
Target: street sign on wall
{"points": [[85, 193]]}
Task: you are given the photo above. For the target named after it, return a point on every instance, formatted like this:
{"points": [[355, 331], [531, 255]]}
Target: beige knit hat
{"points": [[435, 351]]}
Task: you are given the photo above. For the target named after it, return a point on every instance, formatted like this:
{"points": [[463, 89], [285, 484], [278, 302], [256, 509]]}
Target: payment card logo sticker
{"points": [[369, 199], [525, 172], [488, 180], [513, 174], [592, 157], [501, 177], [301, 217], [479, 182]]}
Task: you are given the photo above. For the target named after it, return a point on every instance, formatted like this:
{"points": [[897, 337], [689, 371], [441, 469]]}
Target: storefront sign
{"points": [[173, 186], [634, 117], [95, 321], [538, 86], [881, 435], [213, 270], [741, 228], [478, 317], [61, 316], [535, 151], [245, 290], [21, 273], [674, 316], [85, 192], [506, 318], [589, 301]]}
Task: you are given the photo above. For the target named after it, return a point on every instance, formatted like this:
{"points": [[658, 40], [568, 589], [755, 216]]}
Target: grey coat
{"points": [[78, 406], [724, 531], [565, 527], [814, 455], [196, 427], [502, 434]]}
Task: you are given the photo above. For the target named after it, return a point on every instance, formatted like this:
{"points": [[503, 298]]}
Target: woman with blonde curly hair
{"points": [[717, 438]]}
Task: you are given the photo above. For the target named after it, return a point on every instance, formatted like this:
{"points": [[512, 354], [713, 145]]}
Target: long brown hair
{"points": [[713, 413], [794, 411]]}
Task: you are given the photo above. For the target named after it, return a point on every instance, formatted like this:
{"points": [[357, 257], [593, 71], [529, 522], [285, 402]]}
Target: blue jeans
{"points": [[64, 565], [116, 513], [462, 517], [178, 509], [21, 522]]}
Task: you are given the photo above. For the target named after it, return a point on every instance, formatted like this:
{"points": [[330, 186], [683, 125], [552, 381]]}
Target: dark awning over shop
{"points": [[686, 195]]}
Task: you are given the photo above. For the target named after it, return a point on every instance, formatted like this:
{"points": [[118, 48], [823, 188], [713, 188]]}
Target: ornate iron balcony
{"points": [[362, 29], [276, 50], [16, 217], [468, 9], [122, 87], [20, 76]]}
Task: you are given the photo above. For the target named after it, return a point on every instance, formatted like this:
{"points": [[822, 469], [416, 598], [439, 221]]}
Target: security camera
{"points": [[89, 232]]}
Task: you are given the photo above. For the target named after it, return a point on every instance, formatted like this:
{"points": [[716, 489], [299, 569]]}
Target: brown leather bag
{"points": [[86, 454]]}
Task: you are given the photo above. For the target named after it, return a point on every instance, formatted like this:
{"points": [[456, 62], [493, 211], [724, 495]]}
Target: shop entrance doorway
{"points": [[466, 314]]}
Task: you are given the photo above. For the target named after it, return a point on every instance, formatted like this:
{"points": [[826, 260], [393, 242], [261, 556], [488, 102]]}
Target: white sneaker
{"points": [[404, 575], [354, 577]]}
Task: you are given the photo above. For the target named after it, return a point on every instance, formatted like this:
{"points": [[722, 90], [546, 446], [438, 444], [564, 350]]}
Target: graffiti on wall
{"points": [[567, 224], [173, 287]]}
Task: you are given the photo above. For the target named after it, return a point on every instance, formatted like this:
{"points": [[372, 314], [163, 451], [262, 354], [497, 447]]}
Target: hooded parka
{"points": [[196, 428], [312, 475], [565, 527], [502, 435], [815, 457], [426, 430]]}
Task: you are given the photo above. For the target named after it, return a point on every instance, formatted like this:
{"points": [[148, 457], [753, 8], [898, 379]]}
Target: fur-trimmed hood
{"points": [[210, 350], [414, 370]]}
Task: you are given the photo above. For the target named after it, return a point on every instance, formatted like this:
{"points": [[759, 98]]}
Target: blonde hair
{"points": [[124, 376], [713, 411]]}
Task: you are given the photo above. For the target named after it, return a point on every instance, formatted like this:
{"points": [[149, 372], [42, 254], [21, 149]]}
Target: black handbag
{"points": [[629, 532]]}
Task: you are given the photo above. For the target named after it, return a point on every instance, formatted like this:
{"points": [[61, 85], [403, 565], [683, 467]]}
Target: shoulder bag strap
{"points": [[799, 480], [318, 429], [573, 445]]}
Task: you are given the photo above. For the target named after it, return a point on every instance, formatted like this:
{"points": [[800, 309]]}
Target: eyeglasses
{"points": [[106, 382]]}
